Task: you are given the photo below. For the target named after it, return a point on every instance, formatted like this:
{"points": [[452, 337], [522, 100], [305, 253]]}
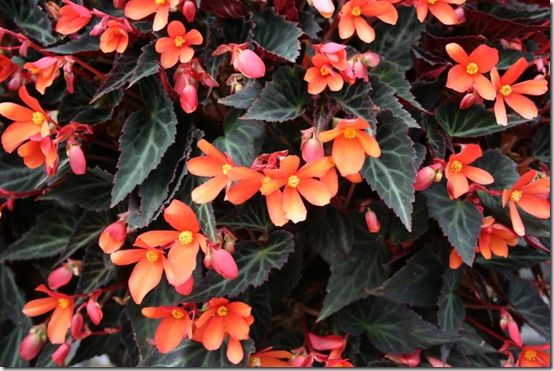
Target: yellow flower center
{"points": [[516, 196], [506, 90], [293, 181], [324, 71], [185, 237], [38, 118], [254, 362], [221, 311], [431, 2], [356, 11], [456, 166], [350, 133], [530, 355], [63, 303], [179, 41], [177, 313], [472, 69], [265, 179], [160, 2], [225, 168], [34, 70], [152, 256]]}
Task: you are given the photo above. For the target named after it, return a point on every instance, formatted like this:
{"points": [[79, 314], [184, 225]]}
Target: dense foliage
{"points": [[275, 182]]}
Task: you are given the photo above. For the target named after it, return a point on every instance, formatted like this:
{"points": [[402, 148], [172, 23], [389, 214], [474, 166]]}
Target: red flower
{"points": [[534, 356], [439, 8], [470, 68], [173, 328], [512, 93], [139, 9], [176, 47], [270, 358], [458, 170], [531, 196], [114, 38], [351, 18], [73, 17]]}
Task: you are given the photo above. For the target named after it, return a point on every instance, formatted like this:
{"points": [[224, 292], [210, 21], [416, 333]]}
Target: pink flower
{"points": [[312, 150], [60, 277], [61, 353], [77, 159], [325, 7], [32, 344], [243, 60], [372, 222], [94, 310], [224, 264], [188, 98]]}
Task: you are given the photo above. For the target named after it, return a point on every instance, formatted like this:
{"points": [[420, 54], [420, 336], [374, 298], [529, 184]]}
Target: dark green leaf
{"points": [[529, 303], [416, 282], [451, 306], [393, 76], [204, 212], [331, 234], [45, 357], [519, 257], [242, 99], [193, 354], [390, 327], [475, 121], [392, 175], [354, 274], [501, 167], [251, 215], [97, 270], [16, 177], [82, 43], [254, 262], [48, 237], [30, 18], [420, 216], [356, 100], [309, 24], [242, 139], [258, 299], [93, 346], [90, 191], [276, 35], [541, 144], [384, 97], [146, 137], [281, 99], [12, 300], [9, 348], [470, 343], [146, 64], [459, 220]]}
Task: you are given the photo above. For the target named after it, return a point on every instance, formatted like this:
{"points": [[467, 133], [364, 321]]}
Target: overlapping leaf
{"points": [[276, 35], [356, 100]]}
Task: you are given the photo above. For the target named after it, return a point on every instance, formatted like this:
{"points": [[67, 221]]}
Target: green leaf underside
{"points": [[390, 327], [527, 301], [356, 100], [420, 216], [254, 262], [146, 136], [459, 220], [9, 348], [393, 76], [383, 97], [475, 121], [15, 176], [276, 35], [393, 173], [353, 274], [281, 99], [451, 306], [48, 237], [243, 98], [147, 64], [242, 139]]}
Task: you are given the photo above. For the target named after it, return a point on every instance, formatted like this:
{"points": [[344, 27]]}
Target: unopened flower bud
{"points": [[32, 344], [60, 277], [249, 64], [468, 100], [61, 353], [372, 222], [410, 360], [189, 98], [113, 236], [189, 10], [312, 150], [77, 159], [224, 264], [185, 288], [94, 311], [77, 323], [510, 327]]}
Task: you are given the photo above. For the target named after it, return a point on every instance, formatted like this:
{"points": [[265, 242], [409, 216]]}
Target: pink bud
{"points": [[325, 7], [16, 81], [249, 64], [32, 344], [61, 353], [371, 59], [372, 222], [189, 10], [113, 236], [189, 99], [118, 4], [69, 76], [436, 362], [468, 100], [312, 150], [77, 322], [77, 159], [60, 277], [24, 48], [185, 288], [410, 360], [360, 70], [94, 311], [424, 178], [509, 326], [224, 264]]}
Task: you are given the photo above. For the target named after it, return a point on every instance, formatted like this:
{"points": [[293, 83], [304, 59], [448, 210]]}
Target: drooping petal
{"points": [[369, 144], [139, 9], [161, 18], [346, 26], [274, 203], [239, 308], [315, 169], [334, 81], [458, 79], [170, 333], [522, 105], [208, 191], [236, 326], [185, 54], [293, 205], [317, 85], [444, 13], [213, 333], [59, 324], [498, 247], [479, 176], [204, 166], [517, 224], [348, 155], [30, 101], [485, 57], [31, 153], [314, 191], [289, 165], [176, 28], [15, 112], [422, 8], [169, 57], [155, 239], [234, 351], [126, 257], [154, 312], [182, 259], [455, 260], [500, 111], [365, 32], [181, 217], [458, 182], [145, 277], [535, 206], [39, 306], [484, 87], [469, 153], [242, 191]]}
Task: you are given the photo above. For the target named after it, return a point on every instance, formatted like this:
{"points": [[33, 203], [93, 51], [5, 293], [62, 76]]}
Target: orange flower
{"points": [[139, 9], [270, 358], [351, 145], [185, 240], [61, 304], [113, 236], [7, 67], [322, 75], [215, 165], [469, 70], [439, 8], [224, 318], [513, 93], [299, 182], [176, 47], [247, 183], [44, 72], [28, 122], [115, 38], [38, 152], [534, 356], [493, 240], [147, 274], [73, 17], [458, 170], [173, 328], [531, 196], [351, 18]]}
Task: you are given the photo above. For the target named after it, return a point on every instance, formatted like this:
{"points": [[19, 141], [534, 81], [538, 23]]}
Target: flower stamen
{"points": [[38, 118], [221, 311], [293, 181], [506, 90], [179, 41], [456, 166], [152, 256], [350, 133], [185, 237], [516, 196], [472, 69]]}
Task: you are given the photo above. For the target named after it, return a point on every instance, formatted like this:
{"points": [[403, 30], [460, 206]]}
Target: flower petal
{"points": [[176, 28], [485, 57], [182, 259], [126, 257], [348, 155], [500, 111], [145, 277], [484, 87], [274, 203], [155, 238], [213, 333], [293, 206], [477, 175], [458, 79], [181, 217], [204, 166], [170, 333], [17, 133], [234, 351], [455, 51], [209, 190], [39, 306], [15, 112], [517, 224], [514, 72], [535, 206], [531, 87], [314, 191], [59, 324], [522, 105]]}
